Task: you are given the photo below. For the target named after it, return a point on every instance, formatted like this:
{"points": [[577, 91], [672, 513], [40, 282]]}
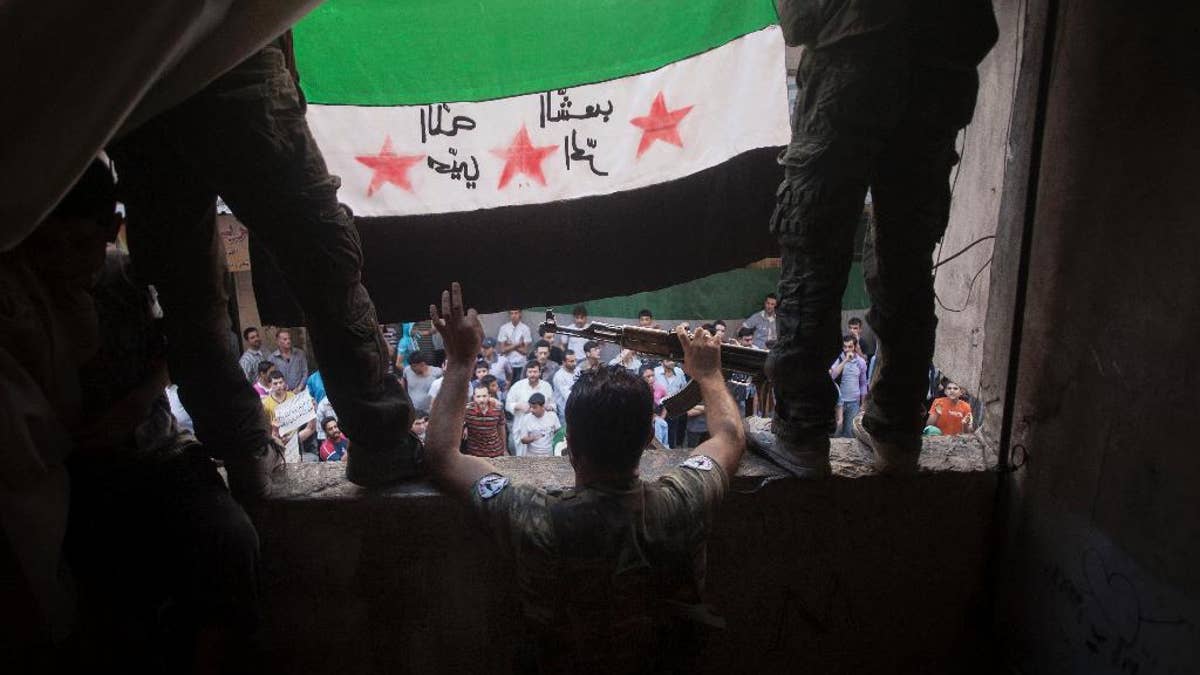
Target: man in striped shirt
{"points": [[485, 425]]}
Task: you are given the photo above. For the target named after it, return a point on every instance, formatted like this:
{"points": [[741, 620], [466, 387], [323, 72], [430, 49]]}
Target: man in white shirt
{"points": [[514, 340], [418, 378], [574, 343], [563, 380], [517, 402], [534, 433]]}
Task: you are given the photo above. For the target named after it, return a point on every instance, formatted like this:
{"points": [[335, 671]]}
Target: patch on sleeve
{"points": [[491, 485], [698, 462]]}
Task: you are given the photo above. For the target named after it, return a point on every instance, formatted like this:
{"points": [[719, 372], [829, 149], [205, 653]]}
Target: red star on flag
{"points": [[660, 125], [523, 157], [389, 167]]}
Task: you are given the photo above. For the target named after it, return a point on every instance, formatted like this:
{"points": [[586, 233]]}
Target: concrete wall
{"points": [[851, 574], [963, 285], [1101, 572]]}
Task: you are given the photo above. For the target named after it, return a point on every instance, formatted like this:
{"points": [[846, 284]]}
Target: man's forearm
{"points": [[720, 410], [446, 417]]}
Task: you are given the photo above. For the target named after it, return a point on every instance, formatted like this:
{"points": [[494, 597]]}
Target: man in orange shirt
{"points": [[949, 413]]}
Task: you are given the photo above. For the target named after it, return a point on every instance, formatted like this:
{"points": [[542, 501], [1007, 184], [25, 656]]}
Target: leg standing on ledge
{"points": [[245, 138], [880, 100]]}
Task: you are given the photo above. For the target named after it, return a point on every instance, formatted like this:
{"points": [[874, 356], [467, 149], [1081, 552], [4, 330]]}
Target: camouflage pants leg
{"points": [[247, 136], [844, 111], [173, 243], [863, 121], [911, 191]]}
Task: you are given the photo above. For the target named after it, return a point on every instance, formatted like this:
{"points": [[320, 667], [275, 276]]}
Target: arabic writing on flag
{"points": [[579, 125]]}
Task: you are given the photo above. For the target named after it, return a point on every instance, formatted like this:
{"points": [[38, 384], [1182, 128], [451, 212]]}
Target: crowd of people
{"points": [[517, 397]]}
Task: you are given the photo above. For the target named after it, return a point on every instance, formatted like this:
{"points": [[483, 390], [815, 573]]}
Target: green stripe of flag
{"points": [[403, 52], [725, 295]]}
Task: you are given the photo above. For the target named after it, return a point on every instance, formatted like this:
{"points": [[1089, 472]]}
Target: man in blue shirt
{"points": [[850, 372]]}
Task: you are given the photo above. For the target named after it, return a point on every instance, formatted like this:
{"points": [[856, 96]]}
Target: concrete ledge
{"points": [[854, 573], [940, 454]]}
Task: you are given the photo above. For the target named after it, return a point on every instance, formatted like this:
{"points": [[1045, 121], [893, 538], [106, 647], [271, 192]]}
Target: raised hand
{"points": [[701, 353], [461, 331]]}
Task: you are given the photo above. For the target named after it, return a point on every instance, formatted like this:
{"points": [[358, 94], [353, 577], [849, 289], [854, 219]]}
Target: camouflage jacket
{"points": [[953, 34], [610, 576]]}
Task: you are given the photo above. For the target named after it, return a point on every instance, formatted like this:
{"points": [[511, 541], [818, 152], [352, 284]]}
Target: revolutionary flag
{"points": [[542, 151]]}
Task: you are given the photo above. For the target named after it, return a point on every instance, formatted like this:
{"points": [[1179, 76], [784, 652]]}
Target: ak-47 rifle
{"points": [[664, 344]]}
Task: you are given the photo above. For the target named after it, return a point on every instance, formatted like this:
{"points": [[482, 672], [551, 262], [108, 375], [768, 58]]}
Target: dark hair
{"points": [[275, 375], [282, 330], [541, 343], [419, 414], [608, 414], [537, 399], [708, 327], [644, 368], [854, 321], [850, 338], [645, 312], [771, 296], [546, 331], [589, 346], [744, 331], [487, 380], [658, 408], [327, 420], [719, 322], [579, 310], [533, 363], [417, 357], [246, 333], [569, 352], [265, 366]]}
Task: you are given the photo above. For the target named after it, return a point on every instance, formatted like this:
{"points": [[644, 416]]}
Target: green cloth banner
{"points": [[404, 52], [726, 295]]}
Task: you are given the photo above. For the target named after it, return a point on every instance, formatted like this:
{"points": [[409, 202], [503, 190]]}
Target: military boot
{"points": [[801, 457], [893, 456], [376, 467], [251, 475]]}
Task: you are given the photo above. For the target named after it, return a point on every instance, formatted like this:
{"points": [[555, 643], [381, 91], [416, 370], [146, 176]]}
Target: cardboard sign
{"points": [[295, 412]]}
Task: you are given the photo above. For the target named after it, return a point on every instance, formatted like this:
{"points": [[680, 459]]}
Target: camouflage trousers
{"points": [[863, 121], [245, 137]]}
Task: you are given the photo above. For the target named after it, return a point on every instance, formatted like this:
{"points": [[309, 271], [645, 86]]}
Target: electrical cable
{"points": [[970, 287], [963, 250]]}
